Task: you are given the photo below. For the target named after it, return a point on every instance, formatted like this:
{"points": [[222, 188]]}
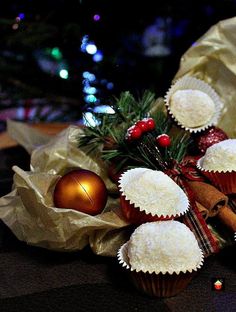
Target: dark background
{"points": [[31, 88]]}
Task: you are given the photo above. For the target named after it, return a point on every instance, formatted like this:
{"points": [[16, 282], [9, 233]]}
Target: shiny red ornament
{"points": [[163, 140], [209, 137], [81, 190]]}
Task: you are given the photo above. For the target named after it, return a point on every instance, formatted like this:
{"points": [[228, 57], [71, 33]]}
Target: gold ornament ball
{"points": [[82, 190]]}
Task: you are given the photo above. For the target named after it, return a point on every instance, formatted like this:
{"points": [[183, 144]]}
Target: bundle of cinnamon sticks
{"points": [[213, 203]]}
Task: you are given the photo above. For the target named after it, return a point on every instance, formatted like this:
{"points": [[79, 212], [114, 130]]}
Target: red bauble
{"points": [[209, 137], [82, 190], [163, 140]]}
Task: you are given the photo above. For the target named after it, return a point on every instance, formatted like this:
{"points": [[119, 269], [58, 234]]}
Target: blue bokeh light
{"points": [[98, 57], [90, 98], [21, 15], [91, 48], [89, 76], [90, 90], [84, 43], [104, 109], [110, 85]]}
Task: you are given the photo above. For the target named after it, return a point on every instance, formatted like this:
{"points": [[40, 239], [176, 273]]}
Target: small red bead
{"points": [[163, 140]]}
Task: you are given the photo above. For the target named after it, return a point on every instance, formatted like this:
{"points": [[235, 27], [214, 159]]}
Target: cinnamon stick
{"points": [[203, 210], [228, 217], [208, 196]]}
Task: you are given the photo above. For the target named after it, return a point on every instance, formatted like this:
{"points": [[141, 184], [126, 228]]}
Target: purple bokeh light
{"points": [[96, 17]]}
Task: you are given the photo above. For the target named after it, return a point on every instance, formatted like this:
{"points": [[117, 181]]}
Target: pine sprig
{"points": [[127, 111], [163, 123], [123, 107], [179, 146], [144, 105], [109, 136]]}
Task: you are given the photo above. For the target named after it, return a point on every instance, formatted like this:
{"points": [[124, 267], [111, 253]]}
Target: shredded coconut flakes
{"points": [[221, 156], [192, 108], [154, 192], [164, 246]]}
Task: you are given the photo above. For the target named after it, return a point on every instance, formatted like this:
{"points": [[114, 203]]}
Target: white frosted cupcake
{"points": [[193, 104], [162, 257], [219, 165], [150, 195]]}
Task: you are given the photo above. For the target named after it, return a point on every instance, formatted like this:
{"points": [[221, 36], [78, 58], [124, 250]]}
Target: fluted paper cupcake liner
{"points": [[138, 214], [225, 181], [153, 284], [193, 83], [135, 215]]}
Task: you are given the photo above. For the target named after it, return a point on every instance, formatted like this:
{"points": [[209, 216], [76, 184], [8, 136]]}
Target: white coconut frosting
{"points": [[192, 108], [220, 156], [164, 246], [153, 191]]}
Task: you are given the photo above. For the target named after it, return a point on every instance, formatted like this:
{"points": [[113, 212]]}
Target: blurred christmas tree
{"points": [[59, 59]]}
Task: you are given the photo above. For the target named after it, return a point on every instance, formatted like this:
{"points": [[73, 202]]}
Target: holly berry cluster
{"points": [[141, 126]]}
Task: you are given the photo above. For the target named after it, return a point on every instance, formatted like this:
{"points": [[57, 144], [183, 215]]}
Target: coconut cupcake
{"points": [[150, 195], [161, 257], [219, 165], [193, 104]]}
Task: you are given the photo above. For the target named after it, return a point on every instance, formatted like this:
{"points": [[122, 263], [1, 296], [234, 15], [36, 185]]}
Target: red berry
{"points": [[150, 122], [142, 125], [134, 133], [163, 140]]}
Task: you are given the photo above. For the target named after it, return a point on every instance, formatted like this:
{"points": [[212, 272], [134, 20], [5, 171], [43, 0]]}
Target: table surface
{"points": [[36, 279], [47, 128]]}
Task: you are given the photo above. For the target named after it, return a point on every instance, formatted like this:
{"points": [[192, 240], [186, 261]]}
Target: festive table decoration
{"points": [[29, 210], [131, 142], [166, 147], [82, 190], [141, 133]]}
